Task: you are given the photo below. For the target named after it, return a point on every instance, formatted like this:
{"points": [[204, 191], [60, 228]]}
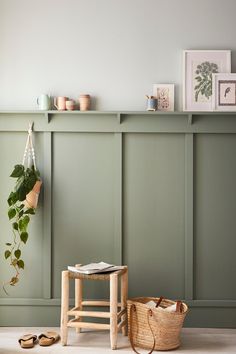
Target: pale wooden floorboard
{"points": [[194, 341]]}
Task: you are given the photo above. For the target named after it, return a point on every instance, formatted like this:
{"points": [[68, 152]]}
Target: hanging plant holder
{"points": [[22, 201], [32, 197]]}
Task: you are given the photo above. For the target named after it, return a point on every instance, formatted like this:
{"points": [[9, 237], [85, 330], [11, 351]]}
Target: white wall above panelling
{"points": [[114, 50]]}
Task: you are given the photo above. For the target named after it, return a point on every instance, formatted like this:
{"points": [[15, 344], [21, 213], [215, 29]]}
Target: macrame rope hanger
{"points": [[29, 149]]}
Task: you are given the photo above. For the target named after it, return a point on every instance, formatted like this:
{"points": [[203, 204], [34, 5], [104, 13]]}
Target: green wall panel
{"points": [[154, 214], [83, 201], [150, 189], [215, 221], [12, 147]]}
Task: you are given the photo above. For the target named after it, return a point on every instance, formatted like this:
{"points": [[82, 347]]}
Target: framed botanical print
{"points": [[224, 92], [165, 96], [198, 67]]}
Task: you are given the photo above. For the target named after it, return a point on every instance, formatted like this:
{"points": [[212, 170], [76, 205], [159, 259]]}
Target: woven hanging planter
{"points": [[154, 329]]}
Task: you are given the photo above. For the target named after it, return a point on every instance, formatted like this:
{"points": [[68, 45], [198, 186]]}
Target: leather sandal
{"points": [[27, 340], [48, 338]]}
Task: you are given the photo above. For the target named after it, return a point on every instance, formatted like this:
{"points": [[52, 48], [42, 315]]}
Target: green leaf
{"points": [[12, 199], [9, 200], [18, 171], [15, 225], [7, 254], [23, 223], [21, 192], [21, 206], [8, 244], [30, 211], [17, 253], [21, 213], [19, 182], [24, 236], [30, 182], [11, 213], [21, 264], [14, 262], [26, 220]]}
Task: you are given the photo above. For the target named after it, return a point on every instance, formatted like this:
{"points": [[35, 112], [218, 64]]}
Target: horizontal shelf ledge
{"points": [[119, 121], [150, 113]]}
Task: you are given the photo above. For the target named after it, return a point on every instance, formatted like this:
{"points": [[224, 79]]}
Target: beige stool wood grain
{"points": [[64, 306], [124, 296], [78, 296]]}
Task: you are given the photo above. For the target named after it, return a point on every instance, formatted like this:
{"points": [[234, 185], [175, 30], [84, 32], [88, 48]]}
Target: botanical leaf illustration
{"points": [[204, 79]]}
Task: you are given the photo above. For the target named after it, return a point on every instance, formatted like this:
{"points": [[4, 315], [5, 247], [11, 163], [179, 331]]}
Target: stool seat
{"points": [[117, 312], [97, 276]]}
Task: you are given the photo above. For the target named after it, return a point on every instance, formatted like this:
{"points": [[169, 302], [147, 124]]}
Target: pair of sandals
{"points": [[44, 339]]}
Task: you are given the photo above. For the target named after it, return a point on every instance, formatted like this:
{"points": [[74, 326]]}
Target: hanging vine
{"points": [[22, 203]]}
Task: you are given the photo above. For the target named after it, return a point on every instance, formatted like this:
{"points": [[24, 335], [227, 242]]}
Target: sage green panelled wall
{"points": [[83, 201], [215, 211], [154, 213], [155, 191]]}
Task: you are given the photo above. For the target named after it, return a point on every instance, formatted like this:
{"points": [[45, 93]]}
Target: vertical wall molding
{"points": [[189, 288], [118, 181], [47, 215]]}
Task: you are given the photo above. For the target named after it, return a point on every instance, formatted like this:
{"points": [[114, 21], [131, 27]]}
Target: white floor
{"points": [[193, 341]]}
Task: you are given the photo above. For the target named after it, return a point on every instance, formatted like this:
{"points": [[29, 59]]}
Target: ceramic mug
{"points": [[70, 105], [60, 103], [84, 102], [44, 102]]}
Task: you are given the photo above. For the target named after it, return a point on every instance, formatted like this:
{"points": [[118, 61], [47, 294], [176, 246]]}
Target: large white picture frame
{"points": [[198, 67]]}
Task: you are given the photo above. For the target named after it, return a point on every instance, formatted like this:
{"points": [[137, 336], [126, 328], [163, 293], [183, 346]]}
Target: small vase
{"points": [[151, 104], [84, 102], [32, 197]]}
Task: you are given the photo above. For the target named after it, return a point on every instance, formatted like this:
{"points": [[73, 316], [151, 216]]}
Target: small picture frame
{"points": [[198, 67], [165, 96], [224, 92]]}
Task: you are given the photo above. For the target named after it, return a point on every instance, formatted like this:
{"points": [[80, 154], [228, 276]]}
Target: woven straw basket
{"points": [[154, 328]]}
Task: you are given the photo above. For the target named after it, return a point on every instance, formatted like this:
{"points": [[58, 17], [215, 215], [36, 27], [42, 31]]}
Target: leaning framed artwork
{"points": [[165, 96], [198, 67], [224, 92]]}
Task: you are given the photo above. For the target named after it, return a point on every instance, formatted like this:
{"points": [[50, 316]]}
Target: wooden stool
{"points": [[118, 319]]}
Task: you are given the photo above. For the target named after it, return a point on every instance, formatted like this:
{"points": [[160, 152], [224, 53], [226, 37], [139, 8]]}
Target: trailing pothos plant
{"points": [[19, 213]]}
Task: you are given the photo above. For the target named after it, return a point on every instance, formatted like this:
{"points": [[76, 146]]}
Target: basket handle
{"points": [[159, 301], [149, 314], [179, 306]]}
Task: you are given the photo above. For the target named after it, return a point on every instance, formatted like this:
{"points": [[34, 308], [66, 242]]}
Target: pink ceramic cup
{"points": [[60, 103], [70, 105], [84, 102]]}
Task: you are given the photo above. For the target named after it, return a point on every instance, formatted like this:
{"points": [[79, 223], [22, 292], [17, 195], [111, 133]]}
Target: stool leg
{"points": [[78, 298], [64, 306], [113, 309], [124, 295]]}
